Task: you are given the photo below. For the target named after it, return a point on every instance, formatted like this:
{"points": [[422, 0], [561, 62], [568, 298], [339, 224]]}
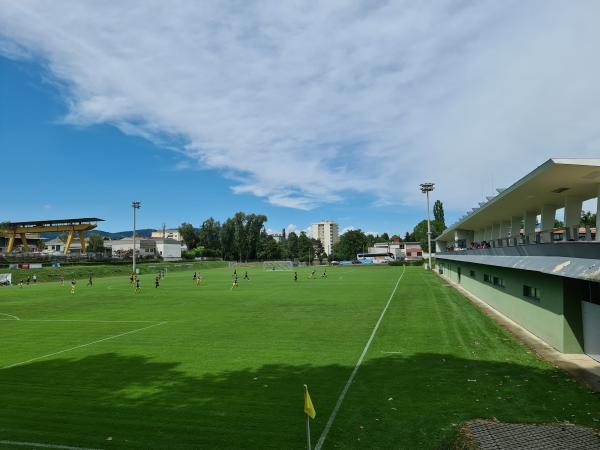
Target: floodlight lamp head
{"points": [[427, 187], [136, 205]]}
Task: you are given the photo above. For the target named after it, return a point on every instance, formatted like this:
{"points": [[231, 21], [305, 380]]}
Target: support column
{"points": [[11, 243], [547, 223], [69, 241], [506, 232], [573, 207], [82, 240], [24, 241], [529, 226], [515, 229], [496, 233], [598, 215]]}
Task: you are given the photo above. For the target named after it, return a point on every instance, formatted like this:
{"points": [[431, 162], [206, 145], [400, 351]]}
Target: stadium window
{"points": [[531, 292], [487, 278], [499, 282], [472, 273], [419, 253]]}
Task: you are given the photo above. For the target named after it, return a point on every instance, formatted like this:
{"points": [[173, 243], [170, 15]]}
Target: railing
{"points": [[574, 249]]}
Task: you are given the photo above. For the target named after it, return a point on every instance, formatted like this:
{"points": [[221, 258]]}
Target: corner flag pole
{"points": [[309, 410], [308, 446]]}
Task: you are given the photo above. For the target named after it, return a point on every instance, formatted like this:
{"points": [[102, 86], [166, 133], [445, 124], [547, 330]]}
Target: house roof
{"points": [[549, 184]]}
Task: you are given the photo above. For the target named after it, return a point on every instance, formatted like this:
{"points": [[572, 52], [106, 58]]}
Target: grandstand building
{"points": [[544, 278], [327, 232]]}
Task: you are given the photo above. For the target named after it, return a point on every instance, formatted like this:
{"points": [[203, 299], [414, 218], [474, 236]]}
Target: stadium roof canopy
{"points": [[41, 223], [549, 184]]}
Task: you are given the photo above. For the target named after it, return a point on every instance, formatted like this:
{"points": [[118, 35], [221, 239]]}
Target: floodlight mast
{"points": [[426, 188], [135, 206]]}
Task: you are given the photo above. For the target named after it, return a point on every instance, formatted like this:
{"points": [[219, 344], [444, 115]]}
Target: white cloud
{"points": [[303, 105]]}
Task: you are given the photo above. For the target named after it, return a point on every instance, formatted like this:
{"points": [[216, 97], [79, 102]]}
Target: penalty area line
{"points": [[9, 315], [83, 320], [84, 345], [40, 445], [336, 409], [37, 444]]}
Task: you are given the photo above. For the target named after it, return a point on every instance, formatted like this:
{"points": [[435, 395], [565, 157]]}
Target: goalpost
{"points": [[278, 266]]}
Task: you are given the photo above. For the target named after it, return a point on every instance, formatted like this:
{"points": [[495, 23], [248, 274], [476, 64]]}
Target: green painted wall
{"points": [[547, 318]]}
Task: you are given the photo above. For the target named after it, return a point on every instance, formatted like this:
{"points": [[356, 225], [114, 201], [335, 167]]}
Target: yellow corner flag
{"points": [[309, 409]]}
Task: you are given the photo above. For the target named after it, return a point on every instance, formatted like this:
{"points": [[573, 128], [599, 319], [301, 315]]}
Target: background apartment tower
{"points": [[327, 232]]}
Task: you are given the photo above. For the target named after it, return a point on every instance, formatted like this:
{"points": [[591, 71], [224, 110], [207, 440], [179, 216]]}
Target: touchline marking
{"points": [[9, 315], [37, 444], [84, 345], [83, 320], [329, 423]]}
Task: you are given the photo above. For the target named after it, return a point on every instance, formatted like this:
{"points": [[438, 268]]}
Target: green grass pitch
{"points": [[186, 366]]}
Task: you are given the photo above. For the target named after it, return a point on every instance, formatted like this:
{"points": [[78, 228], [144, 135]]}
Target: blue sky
{"points": [[64, 170], [338, 110]]}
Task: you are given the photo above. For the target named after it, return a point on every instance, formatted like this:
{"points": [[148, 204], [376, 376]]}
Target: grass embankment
{"points": [[211, 367], [46, 274]]}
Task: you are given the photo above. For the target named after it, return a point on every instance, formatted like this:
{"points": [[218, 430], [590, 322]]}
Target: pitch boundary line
{"points": [[9, 315], [37, 444], [336, 409], [84, 345], [79, 320]]}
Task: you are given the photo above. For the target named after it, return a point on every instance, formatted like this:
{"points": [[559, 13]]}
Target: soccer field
{"points": [[186, 366]]}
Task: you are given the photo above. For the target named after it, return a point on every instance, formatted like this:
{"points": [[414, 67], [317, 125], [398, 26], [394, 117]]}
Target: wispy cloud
{"points": [[303, 103]]}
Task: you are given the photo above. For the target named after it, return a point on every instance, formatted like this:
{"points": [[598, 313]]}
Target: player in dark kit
{"points": [[246, 277], [156, 282], [295, 276]]}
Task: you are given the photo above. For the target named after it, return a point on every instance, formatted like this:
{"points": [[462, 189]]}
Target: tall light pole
{"points": [[135, 206], [426, 188]]}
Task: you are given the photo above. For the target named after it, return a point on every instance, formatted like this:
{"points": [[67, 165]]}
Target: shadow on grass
{"points": [[114, 401]]}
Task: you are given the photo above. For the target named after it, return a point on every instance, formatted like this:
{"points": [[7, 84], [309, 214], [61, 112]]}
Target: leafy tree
{"points": [[95, 244], [292, 241], [420, 232], [395, 237], [558, 223], [209, 235], [438, 213], [588, 219], [409, 237], [228, 240], [189, 235], [254, 229], [305, 248], [319, 250], [385, 237], [268, 249], [350, 244]]}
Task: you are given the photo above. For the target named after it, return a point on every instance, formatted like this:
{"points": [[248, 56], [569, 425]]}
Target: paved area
{"points": [[580, 366], [485, 435]]}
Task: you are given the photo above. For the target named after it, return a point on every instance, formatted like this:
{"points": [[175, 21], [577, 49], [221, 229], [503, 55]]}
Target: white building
{"points": [[327, 232], [169, 233], [168, 248]]}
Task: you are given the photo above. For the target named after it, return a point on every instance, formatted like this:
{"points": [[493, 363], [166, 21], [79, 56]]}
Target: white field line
{"points": [[84, 345], [325, 432], [9, 315], [37, 444], [81, 320]]}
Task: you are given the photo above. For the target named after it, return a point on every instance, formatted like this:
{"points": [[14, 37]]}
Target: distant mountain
{"points": [[145, 232]]}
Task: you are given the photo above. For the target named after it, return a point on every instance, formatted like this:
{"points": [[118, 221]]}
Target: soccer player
{"points": [[90, 282], [28, 280], [137, 285], [34, 279], [62, 280], [324, 274], [157, 282], [235, 281], [198, 279], [246, 277], [20, 283], [131, 278], [295, 276], [73, 282], [312, 274], [195, 276]]}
